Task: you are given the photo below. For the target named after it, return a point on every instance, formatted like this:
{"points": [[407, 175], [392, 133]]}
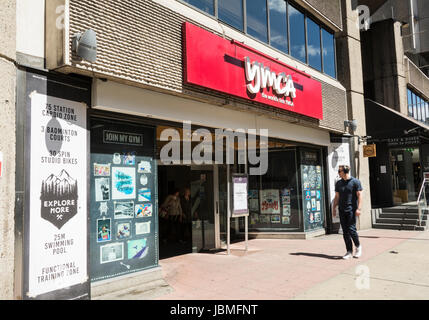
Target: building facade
{"points": [[394, 54], [183, 95]]}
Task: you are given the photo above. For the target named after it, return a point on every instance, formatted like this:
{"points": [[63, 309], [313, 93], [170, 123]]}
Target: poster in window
{"points": [[270, 201]]}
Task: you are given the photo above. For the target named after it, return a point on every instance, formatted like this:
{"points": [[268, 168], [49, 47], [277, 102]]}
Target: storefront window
{"points": [[297, 34], [204, 5], [231, 12], [313, 45], [256, 14], [273, 197], [278, 25]]}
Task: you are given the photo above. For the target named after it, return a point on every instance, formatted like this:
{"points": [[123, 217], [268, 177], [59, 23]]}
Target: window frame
{"points": [[268, 43], [419, 106]]}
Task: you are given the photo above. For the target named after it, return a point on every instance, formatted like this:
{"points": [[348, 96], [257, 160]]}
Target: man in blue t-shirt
{"points": [[348, 197]]}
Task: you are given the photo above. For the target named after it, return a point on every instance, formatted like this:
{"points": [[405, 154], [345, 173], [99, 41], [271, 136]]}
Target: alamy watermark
{"points": [[251, 146], [364, 20], [363, 279]]}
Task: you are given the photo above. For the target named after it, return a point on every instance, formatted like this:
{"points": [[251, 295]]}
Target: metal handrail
{"points": [[419, 200], [421, 189]]}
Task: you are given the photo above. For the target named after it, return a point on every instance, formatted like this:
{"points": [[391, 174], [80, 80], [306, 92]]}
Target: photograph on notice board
{"points": [[104, 228], [144, 195], [143, 210], [129, 158], [142, 228], [123, 230], [102, 189], [144, 167], [123, 183], [101, 170], [137, 249], [123, 210], [112, 252]]}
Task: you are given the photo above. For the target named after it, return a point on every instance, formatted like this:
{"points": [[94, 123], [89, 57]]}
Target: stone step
{"points": [[397, 227], [391, 215], [400, 210], [414, 222]]}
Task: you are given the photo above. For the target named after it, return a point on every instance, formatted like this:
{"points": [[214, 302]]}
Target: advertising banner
{"points": [[58, 195]]}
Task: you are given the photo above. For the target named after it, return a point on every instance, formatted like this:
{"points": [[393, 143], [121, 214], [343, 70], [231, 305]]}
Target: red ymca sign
{"points": [[231, 67]]}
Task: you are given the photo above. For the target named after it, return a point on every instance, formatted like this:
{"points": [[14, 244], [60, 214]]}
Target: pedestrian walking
{"points": [[348, 198]]}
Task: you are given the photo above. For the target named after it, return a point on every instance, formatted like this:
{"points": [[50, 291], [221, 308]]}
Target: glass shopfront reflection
{"points": [[273, 197]]}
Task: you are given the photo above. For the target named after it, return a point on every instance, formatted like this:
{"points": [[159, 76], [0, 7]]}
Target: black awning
{"points": [[384, 122]]}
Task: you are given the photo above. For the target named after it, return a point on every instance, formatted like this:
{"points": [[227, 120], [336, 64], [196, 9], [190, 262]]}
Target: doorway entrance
{"points": [[406, 174], [200, 191]]}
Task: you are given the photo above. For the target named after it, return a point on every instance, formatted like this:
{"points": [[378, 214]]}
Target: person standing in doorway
{"points": [[186, 204], [174, 214], [348, 198]]}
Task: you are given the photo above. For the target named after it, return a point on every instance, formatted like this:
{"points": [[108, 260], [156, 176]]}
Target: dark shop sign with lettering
{"points": [[116, 137]]}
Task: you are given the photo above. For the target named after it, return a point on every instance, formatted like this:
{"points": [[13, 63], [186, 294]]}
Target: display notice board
{"points": [[123, 211], [312, 188]]}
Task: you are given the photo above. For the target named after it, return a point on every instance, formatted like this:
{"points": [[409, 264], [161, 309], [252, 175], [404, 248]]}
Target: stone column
{"points": [[350, 74], [7, 145]]}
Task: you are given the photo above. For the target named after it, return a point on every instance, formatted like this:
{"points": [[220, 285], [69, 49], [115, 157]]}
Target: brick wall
{"points": [[141, 43]]}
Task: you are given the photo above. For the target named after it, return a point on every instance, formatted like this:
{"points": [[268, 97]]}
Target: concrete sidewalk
{"points": [[394, 265]]}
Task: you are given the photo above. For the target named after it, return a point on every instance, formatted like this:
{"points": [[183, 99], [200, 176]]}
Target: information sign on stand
{"points": [[239, 203], [240, 183]]}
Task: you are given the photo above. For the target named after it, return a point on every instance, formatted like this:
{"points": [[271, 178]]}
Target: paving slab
{"points": [[281, 269]]}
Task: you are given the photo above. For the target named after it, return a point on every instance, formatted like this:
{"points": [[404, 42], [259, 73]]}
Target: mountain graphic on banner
{"points": [[59, 199]]}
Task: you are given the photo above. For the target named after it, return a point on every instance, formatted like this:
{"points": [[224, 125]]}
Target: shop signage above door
{"points": [[407, 141], [233, 68]]}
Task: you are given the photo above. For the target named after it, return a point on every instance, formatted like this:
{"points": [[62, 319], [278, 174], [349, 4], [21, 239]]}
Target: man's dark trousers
{"points": [[348, 224]]}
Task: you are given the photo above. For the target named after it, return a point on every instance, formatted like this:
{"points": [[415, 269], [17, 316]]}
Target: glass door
{"points": [[406, 174], [222, 206], [203, 208]]}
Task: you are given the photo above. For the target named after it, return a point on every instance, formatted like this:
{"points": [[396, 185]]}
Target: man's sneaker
{"points": [[358, 252], [348, 255]]}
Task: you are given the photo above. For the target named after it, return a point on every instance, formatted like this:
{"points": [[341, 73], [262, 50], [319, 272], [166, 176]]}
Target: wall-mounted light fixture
{"points": [[84, 45]]}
